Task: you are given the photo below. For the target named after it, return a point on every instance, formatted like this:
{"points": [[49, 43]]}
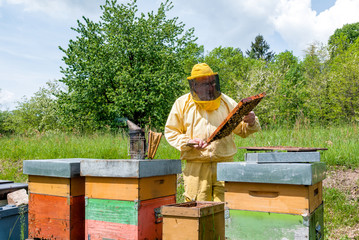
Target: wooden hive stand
{"points": [[193, 220]]}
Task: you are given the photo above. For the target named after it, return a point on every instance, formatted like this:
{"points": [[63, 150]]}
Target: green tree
{"points": [[351, 31], [231, 66], [4, 118], [343, 85], [260, 49], [315, 69], [343, 37], [39, 113], [291, 92], [127, 65]]}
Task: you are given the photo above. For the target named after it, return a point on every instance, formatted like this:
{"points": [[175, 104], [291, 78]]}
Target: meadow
{"points": [[341, 206]]}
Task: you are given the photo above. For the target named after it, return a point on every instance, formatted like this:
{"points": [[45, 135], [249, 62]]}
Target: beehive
{"points": [[56, 199], [193, 220], [13, 219], [279, 182], [123, 196]]}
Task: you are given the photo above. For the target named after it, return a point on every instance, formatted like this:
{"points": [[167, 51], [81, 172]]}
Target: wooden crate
{"points": [[193, 220], [279, 198], [241, 225], [118, 219], [131, 189], [56, 217]]}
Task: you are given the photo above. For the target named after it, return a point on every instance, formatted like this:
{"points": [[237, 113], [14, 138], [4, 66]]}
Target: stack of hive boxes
{"points": [[56, 199], [123, 197], [274, 195]]}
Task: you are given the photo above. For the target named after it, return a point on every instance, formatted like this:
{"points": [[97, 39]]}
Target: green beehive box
{"points": [[253, 225], [275, 195]]}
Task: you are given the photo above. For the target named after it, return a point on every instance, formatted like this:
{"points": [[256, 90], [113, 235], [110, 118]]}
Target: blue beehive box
{"points": [[13, 222], [13, 219]]}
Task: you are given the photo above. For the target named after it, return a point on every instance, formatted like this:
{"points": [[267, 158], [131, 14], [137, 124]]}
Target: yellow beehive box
{"points": [[193, 220]]}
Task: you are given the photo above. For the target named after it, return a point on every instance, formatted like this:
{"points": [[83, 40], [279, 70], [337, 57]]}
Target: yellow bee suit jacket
{"points": [[188, 121]]}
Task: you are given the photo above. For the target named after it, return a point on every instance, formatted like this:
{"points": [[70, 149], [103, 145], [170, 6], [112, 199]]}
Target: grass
{"points": [[342, 143], [339, 211]]}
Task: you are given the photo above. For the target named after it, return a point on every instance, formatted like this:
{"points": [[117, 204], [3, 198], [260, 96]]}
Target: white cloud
{"points": [[299, 25], [6, 98], [61, 8]]}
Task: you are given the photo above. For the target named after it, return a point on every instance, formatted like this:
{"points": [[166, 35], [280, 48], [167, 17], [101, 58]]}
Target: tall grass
{"points": [[342, 143]]}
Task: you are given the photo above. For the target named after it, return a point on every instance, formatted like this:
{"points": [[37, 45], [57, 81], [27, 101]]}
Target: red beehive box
{"points": [[56, 201]]}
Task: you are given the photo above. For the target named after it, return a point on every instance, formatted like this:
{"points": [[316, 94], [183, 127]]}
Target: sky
{"points": [[31, 31]]}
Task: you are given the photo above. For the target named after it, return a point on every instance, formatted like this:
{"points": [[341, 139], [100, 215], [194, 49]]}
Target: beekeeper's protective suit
{"points": [[193, 118]]}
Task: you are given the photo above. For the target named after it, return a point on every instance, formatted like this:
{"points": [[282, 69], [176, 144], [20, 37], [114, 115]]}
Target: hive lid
{"points": [[283, 157], [129, 168], [65, 168], [281, 173], [284, 148], [5, 181], [11, 210]]}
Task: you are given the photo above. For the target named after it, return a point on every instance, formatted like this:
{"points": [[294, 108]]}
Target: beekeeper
{"points": [[193, 118]]}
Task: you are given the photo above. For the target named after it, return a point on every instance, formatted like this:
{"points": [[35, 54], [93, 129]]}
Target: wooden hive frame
{"points": [[236, 116]]}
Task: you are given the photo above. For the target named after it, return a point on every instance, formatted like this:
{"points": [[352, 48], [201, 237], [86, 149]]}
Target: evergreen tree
{"points": [[260, 49]]}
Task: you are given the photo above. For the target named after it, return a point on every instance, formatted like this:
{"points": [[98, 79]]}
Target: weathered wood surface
{"points": [[99, 230], [117, 219], [149, 226], [248, 225], [131, 189], [193, 209], [55, 217], [183, 228], [117, 211], [278, 198], [57, 186], [189, 222], [180, 228]]}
